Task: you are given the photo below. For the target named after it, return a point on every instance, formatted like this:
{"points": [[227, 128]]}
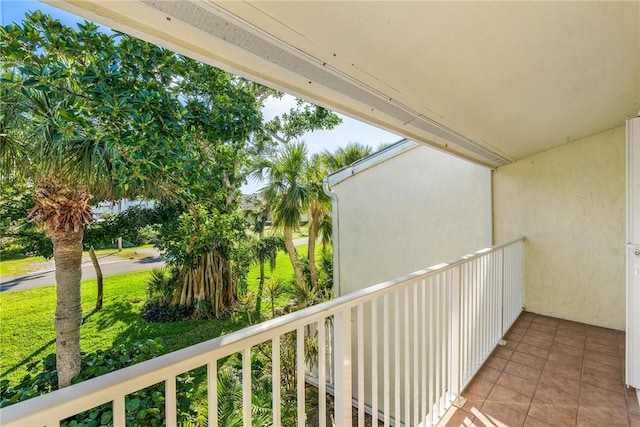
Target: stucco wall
{"points": [[415, 210], [570, 205]]}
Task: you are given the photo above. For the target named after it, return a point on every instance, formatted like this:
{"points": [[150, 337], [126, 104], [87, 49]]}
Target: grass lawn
{"points": [[27, 317], [131, 253], [22, 266], [301, 232], [18, 266]]}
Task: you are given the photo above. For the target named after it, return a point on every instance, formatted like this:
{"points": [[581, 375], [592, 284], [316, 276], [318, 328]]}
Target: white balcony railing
{"points": [[403, 350]]}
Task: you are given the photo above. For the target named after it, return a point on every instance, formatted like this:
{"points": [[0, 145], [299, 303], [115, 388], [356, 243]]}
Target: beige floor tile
{"points": [[496, 362], [554, 373], [523, 371], [495, 414], [602, 416], [533, 350], [554, 414], [571, 340], [509, 398], [521, 385], [528, 360]]}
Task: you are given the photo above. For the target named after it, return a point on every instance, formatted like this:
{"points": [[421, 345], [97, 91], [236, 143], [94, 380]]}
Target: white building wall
{"points": [[569, 203], [418, 209]]}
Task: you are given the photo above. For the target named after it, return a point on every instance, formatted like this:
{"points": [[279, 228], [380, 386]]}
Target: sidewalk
{"points": [[110, 265]]}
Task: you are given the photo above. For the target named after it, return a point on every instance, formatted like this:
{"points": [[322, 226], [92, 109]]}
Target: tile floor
{"points": [[551, 372]]}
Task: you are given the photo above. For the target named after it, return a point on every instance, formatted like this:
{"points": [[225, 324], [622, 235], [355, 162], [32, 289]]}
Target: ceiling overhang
{"points": [[493, 93]]}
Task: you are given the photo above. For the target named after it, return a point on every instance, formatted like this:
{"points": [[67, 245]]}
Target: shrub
{"points": [[154, 312], [9, 248], [143, 408], [161, 286], [148, 234]]}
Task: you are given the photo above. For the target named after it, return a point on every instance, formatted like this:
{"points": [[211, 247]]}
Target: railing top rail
{"points": [[93, 392]]}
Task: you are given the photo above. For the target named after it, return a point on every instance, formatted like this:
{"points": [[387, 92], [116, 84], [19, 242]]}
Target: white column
{"points": [[633, 254]]}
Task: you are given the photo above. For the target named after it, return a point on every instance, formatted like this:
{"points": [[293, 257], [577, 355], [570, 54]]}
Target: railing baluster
{"points": [[476, 315], [423, 336], [246, 387], [432, 345], [342, 325], [170, 401], [463, 324], [386, 350], [438, 329], [416, 366], [360, 338], [300, 380], [396, 358], [119, 413], [275, 380], [482, 307], [374, 360], [322, 374], [456, 328], [407, 360], [212, 391], [445, 332], [499, 295], [490, 300]]}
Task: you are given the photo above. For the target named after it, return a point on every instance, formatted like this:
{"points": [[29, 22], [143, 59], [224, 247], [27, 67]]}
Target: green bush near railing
{"points": [[143, 408]]}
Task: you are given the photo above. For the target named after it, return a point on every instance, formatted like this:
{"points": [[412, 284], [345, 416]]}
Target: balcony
{"points": [[406, 351], [551, 372]]}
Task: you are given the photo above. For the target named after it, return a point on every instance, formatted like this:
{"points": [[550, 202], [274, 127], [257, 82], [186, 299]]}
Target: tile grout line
{"points": [[584, 355], [539, 376]]}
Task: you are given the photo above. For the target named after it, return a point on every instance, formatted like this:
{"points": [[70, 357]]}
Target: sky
{"points": [[350, 130]]}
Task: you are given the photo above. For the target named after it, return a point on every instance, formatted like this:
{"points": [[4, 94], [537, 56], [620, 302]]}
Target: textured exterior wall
{"points": [[569, 203], [418, 209]]}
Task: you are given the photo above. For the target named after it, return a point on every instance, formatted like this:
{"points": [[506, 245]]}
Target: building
{"points": [[114, 208], [386, 233]]}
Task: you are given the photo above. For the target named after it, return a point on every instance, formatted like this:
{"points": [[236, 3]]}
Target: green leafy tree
{"points": [[303, 118], [98, 116], [222, 114]]}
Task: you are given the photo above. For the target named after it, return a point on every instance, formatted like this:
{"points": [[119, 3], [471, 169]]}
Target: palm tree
{"points": [[64, 169], [320, 213], [319, 208], [345, 156], [287, 192]]}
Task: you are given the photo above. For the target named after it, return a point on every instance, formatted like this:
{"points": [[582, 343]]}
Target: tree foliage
{"points": [[90, 116]]}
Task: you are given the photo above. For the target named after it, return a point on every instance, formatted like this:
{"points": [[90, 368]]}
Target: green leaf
{"points": [[106, 418], [133, 404]]}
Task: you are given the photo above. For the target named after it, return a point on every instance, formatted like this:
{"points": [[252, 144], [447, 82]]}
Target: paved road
{"points": [[109, 264]]}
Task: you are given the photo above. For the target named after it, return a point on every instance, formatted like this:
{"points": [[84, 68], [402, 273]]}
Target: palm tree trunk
{"points": [[96, 266], [261, 272], [293, 255], [313, 233], [67, 250]]}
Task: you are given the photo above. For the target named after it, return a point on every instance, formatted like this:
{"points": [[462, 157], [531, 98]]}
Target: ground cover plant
{"points": [[27, 338], [27, 333]]}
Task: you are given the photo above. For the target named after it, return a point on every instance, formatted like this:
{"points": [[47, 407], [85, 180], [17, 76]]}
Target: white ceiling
{"points": [[489, 81]]}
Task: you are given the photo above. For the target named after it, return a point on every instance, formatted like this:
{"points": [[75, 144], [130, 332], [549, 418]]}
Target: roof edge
{"points": [[373, 160]]}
